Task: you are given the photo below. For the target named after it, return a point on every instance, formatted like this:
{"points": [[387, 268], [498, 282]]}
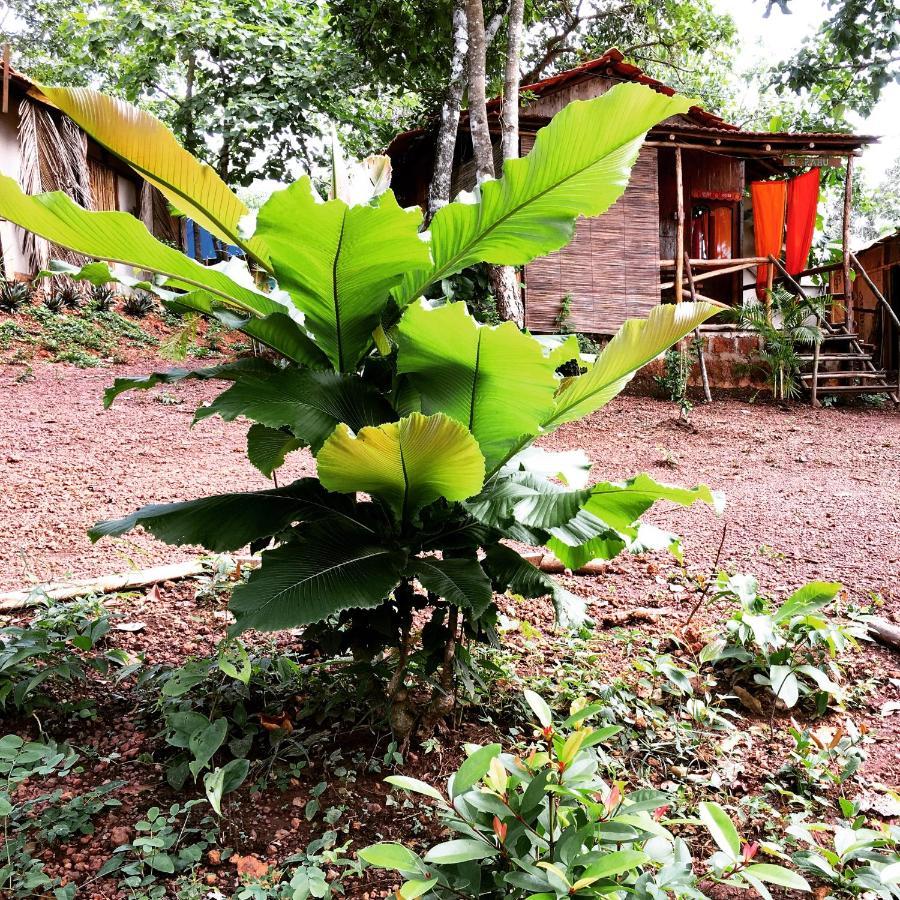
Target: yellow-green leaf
{"points": [[408, 464], [637, 342], [143, 142]]}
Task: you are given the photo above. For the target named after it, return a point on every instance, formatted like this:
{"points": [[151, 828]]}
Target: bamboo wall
{"points": [[610, 270], [882, 264]]}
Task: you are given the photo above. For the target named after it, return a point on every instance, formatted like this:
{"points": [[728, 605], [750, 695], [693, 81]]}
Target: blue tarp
{"points": [[210, 248]]}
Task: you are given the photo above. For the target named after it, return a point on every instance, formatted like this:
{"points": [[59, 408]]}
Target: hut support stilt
{"points": [[679, 228], [848, 287]]}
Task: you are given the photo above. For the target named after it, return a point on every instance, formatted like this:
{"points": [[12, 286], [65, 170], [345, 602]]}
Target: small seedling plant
{"points": [[62, 644], [420, 418], [853, 856], [544, 824], [790, 650]]}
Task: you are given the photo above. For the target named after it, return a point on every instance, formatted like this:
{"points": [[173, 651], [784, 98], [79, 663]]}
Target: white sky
{"points": [[775, 39]]}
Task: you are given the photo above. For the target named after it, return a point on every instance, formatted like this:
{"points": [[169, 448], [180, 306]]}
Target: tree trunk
{"points": [[439, 192], [503, 278], [509, 122], [478, 122]]}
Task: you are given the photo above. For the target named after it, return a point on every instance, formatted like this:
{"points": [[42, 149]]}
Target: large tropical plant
{"points": [[420, 419]]}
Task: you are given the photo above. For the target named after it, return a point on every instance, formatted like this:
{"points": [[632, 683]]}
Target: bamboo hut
{"points": [[694, 207], [44, 151]]}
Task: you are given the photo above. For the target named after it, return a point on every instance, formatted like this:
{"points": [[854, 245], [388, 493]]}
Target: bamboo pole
{"points": [[105, 584], [745, 261], [5, 105], [679, 229], [848, 287], [712, 273], [700, 357]]}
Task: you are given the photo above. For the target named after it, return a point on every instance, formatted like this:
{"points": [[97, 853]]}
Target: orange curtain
{"points": [[768, 224], [802, 199]]}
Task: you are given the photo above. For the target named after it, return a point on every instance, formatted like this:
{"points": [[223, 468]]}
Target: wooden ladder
{"points": [[841, 363]]}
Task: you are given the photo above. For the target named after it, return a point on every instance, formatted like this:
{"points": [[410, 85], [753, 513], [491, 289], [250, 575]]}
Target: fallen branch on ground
{"points": [[885, 632], [105, 584]]}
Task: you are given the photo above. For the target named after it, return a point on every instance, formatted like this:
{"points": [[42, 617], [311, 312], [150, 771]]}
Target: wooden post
{"points": [[679, 229], [814, 388], [5, 106], [700, 357], [848, 286]]}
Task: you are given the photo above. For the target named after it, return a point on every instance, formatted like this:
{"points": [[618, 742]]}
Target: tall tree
{"points": [[439, 189], [248, 84], [852, 57]]}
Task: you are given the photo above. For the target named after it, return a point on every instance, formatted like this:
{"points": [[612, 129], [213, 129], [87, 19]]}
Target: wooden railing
{"points": [[887, 307]]}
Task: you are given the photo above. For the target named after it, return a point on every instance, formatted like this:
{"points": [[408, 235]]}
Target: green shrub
{"points": [[14, 295], [103, 297], [789, 649], [59, 646], [413, 404], [544, 823], [138, 304]]}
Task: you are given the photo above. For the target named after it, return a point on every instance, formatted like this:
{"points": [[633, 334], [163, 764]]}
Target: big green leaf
{"points": [[120, 237], [143, 142], [461, 582], [508, 571], [225, 372], [331, 566], [408, 464], [229, 521], [721, 828], [528, 499], [268, 447], [276, 329], [608, 519], [390, 855], [311, 404], [579, 166], [495, 380], [637, 342], [339, 262]]}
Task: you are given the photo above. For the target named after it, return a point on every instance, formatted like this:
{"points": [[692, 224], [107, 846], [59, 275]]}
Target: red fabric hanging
{"points": [[768, 224], [802, 200]]}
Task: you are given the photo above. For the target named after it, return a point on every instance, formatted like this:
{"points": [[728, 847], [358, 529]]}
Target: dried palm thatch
{"points": [[52, 157]]}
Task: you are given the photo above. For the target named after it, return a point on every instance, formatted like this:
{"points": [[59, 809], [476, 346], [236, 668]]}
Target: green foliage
{"points": [[407, 405], [59, 647], [853, 859], [790, 649], [545, 823], [85, 337], [14, 295], [787, 323], [138, 304], [850, 60], [820, 759], [167, 842], [218, 70], [31, 825]]}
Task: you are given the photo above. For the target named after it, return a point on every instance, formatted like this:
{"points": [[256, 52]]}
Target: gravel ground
{"points": [[811, 493]]}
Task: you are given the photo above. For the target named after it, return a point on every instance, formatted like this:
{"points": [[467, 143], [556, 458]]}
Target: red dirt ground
{"points": [[811, 493]]}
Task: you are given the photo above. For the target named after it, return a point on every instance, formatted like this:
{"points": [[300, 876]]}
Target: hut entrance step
{"points": [[842, 364]]}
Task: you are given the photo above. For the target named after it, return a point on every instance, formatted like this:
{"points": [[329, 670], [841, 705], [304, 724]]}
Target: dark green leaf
{"points": [[230, 521], [331, 566]]}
